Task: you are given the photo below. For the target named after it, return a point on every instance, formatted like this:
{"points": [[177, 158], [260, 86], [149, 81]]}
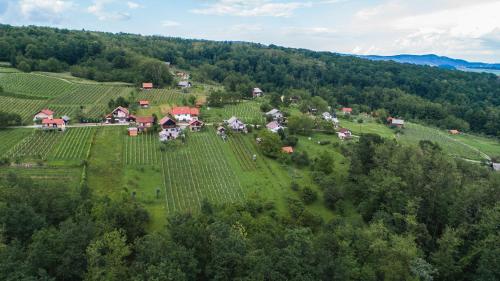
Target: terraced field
{"points": [[162, 96]]}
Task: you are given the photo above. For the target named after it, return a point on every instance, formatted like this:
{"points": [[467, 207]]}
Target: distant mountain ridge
{"points": [[438, 61]]}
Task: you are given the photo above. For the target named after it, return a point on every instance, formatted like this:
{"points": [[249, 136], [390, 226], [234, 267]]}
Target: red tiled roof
{"points": [[185, 110], [287, 149], [144, 102], [47, 111], [346, 109], [53, 121], [147, 85], [142, 119]]}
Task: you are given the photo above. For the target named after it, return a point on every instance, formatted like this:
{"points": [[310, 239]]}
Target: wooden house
{"points": [[44, 114], [168, 123], [195, 125], [53, 124]]}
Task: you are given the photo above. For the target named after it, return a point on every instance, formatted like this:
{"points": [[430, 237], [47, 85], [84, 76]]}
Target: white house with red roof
{"points": [[346, 110], [147, 86], [144, 103], [185, 114], [44, 114], [274, 126], [344, 134], [53, 124], [119, 115]]}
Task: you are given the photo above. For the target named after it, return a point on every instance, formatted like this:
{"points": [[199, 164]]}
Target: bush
{"points": [[301, 159], [291, 141], [324, 142], [308, 195], [295, 186]]}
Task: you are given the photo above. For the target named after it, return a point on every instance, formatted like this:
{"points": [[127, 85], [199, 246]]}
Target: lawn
{"points": [[246, 111]]}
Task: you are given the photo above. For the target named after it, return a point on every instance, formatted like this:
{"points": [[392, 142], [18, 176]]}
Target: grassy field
{"points": [[246, 111]]}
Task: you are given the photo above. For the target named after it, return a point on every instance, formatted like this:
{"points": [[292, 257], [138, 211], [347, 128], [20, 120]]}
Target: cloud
{"points": [[170, 23], [247, 28], [44, 10], [251, 8], [133, 5], [98, 10], [318, 31]]}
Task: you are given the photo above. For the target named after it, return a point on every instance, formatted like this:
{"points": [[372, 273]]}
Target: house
{"points": [[169, 134], [395, 122], [344, 134], [275, 114], [66, 119], [185, 113], [195, 125], [287, 149], [346, 110], [495, 166], [184, 84], [454, 132], [167, 123], [274, 126], [53, 124], [147, 86], [144, 103], [44, 114], [256, 92], [120, 115], [221, 131], [132, 131], [144, 123], [236, 125]]}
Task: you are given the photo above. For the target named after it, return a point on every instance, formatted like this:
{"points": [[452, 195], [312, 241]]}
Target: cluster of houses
{"points": [[46, 118]]}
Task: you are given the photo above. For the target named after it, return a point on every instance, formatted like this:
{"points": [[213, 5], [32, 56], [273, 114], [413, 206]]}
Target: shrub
{"points": [[308, 195]]}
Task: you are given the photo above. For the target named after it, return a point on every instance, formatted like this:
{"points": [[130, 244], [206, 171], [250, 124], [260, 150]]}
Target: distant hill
{"points": [[439, 61]]}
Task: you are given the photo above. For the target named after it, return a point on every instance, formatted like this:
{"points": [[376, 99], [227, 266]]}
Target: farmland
{"points": [[35, 85], [10, 137], [247, 111]]}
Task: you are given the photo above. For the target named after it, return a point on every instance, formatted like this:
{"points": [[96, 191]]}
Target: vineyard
{"points": [[162, 96], [26, 108], [75, 144], [413, 133], [200, 170], [9, 138], [141, 150], [45, 145], [34, 85], [248, 112]]}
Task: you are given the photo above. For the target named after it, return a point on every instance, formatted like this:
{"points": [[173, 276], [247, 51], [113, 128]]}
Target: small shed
{"points": [[132, 131], [144, 103], [287, 149], [346, 110], [454, 132]]}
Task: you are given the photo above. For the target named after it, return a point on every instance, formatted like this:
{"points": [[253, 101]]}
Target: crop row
{"points": [[196, 172], [24, 107], [242, 152], [141, 150], [161, 96], [74, 144], [36, 146], [10, 137], [35, 84]]}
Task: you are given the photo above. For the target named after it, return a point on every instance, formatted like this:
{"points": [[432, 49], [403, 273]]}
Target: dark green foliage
{"points": [[308, 195], [9, 119]]}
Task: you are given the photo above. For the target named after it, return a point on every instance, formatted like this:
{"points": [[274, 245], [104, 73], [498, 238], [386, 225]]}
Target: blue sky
{"points": [[457, 28]]}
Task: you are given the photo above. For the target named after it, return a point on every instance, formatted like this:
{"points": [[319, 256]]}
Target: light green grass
{"points": [[246, 111]]}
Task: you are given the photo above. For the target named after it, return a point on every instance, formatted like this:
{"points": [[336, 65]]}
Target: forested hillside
{"points": [[448, 99]]}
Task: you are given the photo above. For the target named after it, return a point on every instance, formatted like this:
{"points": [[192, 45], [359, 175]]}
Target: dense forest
{"points": [[444, 98], [403, 213]]}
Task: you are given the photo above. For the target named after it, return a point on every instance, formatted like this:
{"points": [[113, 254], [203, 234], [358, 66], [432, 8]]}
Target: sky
{"points": [[466, 29]]}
